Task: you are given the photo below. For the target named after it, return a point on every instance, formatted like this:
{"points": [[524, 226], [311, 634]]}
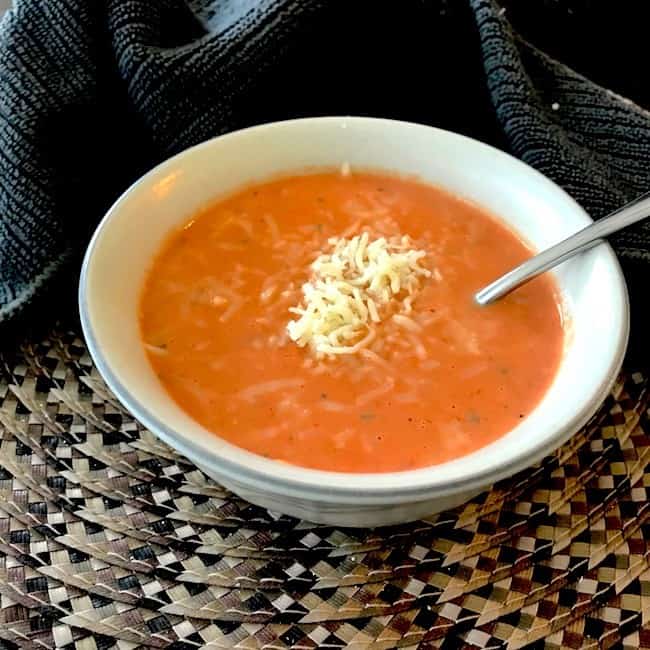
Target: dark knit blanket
{"points": [[94, 92]]}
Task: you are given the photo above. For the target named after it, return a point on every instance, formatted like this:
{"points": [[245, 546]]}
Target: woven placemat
{"points": [[110, 539]]}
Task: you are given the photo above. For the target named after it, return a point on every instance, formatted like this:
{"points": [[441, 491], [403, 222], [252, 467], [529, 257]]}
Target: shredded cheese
{"points": [[354, 286]]}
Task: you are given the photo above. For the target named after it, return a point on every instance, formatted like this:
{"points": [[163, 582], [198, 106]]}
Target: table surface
{"points": [[120, 539]]}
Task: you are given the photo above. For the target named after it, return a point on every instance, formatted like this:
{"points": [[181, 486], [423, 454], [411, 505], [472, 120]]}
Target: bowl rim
{"points": [[314, 483]]}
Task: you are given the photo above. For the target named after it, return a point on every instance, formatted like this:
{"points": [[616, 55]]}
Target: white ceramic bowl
{"points": [[121, 251]]}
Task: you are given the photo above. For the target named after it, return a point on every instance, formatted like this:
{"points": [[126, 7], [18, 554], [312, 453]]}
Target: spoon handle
{"points": [[584, 239]]}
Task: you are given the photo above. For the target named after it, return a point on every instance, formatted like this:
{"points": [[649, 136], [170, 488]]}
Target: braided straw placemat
{"points": [[109, 539]]}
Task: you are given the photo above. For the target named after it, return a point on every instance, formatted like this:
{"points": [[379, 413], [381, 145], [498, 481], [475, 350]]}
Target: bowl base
{"points": [[345, 515]]}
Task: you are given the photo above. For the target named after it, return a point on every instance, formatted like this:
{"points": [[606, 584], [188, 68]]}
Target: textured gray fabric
{"points": [[94, 93]]}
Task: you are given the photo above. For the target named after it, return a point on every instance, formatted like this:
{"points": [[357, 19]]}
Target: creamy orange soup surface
{"points": [[215, 307]]}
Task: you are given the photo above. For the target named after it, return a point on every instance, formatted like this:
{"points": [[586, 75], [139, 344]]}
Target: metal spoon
{"points": [[583, 240]]}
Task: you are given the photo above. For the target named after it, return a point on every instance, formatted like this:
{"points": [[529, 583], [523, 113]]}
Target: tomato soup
{"points": [[421, 378]]}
